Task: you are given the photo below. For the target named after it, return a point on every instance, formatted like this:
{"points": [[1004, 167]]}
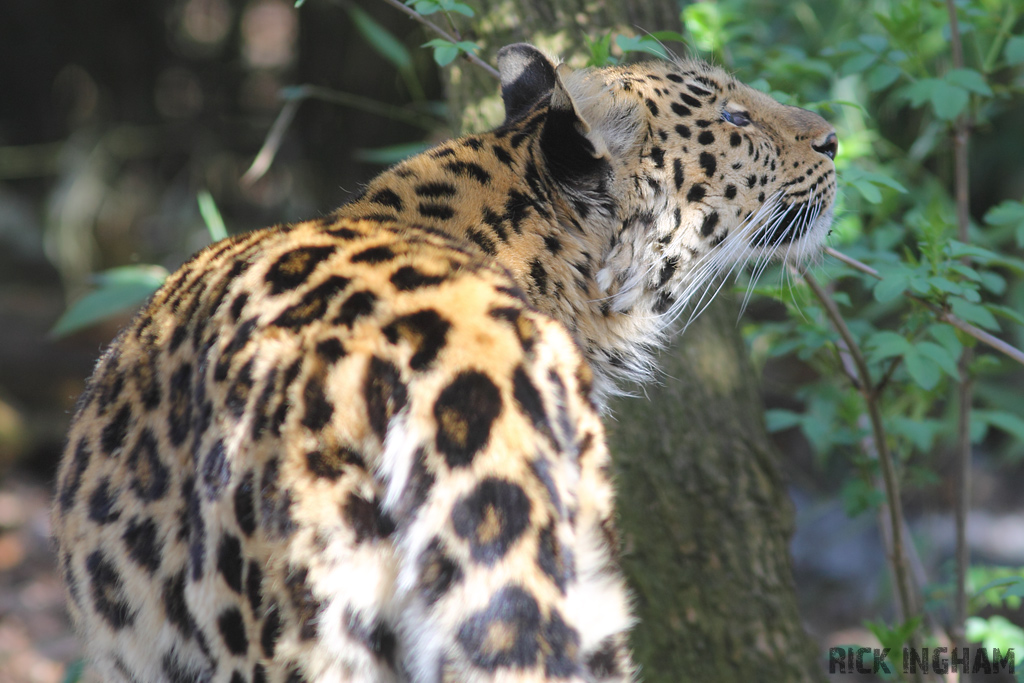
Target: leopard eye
{"points": [[736, 118]]}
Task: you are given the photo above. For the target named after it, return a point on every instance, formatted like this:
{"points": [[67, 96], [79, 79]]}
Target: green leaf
{"points": [[857, 63], [458, 7], [882, 76], [445, 51], [426, 7], [874, 42], [968, 272], [946, 336], [920, 432], [391, 154], [1015, 590], [1010, 314], [921, 285], [887, 344], [859, 496], [973, 313], [1015, 50], [600, 50], [1000, 583], [119, 290], [941, 356], [921, 369], [975, 629], [947, 99], [890, 288], [920, 91], [670, 36], [445, 55], [993, 282], [866, 183], [944, 285], [777, 419], [969, 79], [867, 190], [978, 430], [380, 39], [959, 249], [995, 632], [1002, 420], [211, 216], [75, 670], [706, 23], [1009, 212], [641, 44]]}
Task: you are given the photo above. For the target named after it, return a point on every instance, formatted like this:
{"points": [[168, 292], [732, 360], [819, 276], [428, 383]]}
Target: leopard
{"points": [[368, 448]]}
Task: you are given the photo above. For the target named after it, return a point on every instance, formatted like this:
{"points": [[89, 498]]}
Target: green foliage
{"points": [[211, 216], [121, 290], [75, 670], [895, 60], [999, 587], [896, 213], [894, 637], [391, 154], [601, 52], [387, 46], [380, 39], [995, 632], [427, 7], [445, 51], [118, 290]]}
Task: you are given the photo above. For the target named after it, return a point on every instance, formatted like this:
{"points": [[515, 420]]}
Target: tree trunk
{"points": [[705, 519], [702, 506]]}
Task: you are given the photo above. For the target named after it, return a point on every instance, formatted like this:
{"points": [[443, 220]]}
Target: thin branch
{"points": [[271, 144], [889, 372], [293, 96], [898, 556], [397, 4], [961, 136], [981, 335], [853, 263]]}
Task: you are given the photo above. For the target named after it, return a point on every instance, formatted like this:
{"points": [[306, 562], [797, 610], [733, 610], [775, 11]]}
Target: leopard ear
{"points": [[572, 150], [526, 77]]}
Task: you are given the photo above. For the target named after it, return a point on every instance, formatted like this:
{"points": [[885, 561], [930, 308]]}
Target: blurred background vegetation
{"points": [[117, 116]]}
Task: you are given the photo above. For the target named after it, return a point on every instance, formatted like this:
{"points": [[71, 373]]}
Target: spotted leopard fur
{"points": [[366, 448]]}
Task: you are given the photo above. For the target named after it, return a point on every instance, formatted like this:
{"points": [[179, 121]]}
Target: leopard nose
{"points": [[827, 144]]}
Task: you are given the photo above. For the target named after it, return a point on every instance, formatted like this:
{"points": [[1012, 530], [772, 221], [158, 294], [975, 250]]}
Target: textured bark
{"points": [[705, 519], [703, 511]]}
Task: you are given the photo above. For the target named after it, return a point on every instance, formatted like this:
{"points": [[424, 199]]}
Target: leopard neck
{"points": [[579, 255]]}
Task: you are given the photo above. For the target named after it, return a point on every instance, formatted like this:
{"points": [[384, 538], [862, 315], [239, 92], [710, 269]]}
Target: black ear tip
{"points": [[517, 48], [526, 76], [519, 59]]}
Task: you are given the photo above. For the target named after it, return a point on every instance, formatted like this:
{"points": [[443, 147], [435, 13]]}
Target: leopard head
{"points": [[687, 172]]}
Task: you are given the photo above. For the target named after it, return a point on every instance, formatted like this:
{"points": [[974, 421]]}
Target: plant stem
{"points": [[1000, 40], [961, 136], [981, 335], [397, 4], [294, 95], [897, 557]]}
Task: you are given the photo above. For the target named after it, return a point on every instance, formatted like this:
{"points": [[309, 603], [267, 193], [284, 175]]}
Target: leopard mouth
{"points": [[788, 223]]}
